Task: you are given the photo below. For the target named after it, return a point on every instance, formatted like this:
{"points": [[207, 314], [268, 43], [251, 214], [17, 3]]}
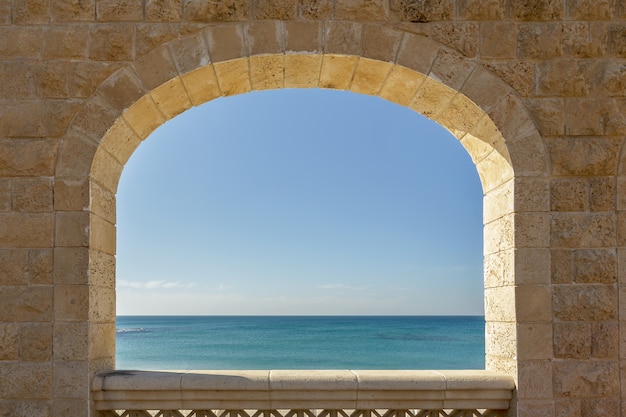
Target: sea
{"points": [[300, 342]]}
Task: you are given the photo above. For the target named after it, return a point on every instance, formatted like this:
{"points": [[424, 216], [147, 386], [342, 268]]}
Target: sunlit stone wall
{"points": [[534, 90]]}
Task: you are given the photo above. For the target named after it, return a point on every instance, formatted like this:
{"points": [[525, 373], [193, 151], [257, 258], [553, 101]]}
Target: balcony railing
{"points": [[302, 393]]}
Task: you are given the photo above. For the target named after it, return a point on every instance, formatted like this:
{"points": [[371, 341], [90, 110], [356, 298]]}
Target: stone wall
{"points": [[534, 90]]}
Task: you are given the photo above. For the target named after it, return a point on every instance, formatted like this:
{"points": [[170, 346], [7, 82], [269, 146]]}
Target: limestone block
{"points": [[590, 9], [9, 342], [549, 114], [75, 155], [151, 35], [569, 77], [144, 116], [201, 85], [615, 78], [533, 303], [32, 195], [544, 408], [265, 37], [369, 76], [73, 10], [18, 79], [52, 79], [40, 266], [513, 121], [572, 340], [101, 340], [589, 302], [431, 98], [59, 114], [451, 68], [14, 266], [66, 42], [119, 10], [463, 37], [532, 194], [35, 342], [584, 117], [586, 378], [26, 303], [583, 230], [24, 119], [316, 9], [518, 74], [422, 11], [95, 117], [122, 89], [112, 42], [343, 38], [164, 10], [26, 230], [498, 364], [460, 116], [212, 11], [500, 304], [233, 77], [401, 85], [31, 11], [498, 39], [541, 40], [302, 71], [121, 141], [528, 154], [493, 171], [267, 72], [171, 98], [103, 202], [156, 67], [380, 43], [101, 304], [86, 76], [71, 266], [337, 71], [534, 379], [101, 269], [303, 37], [586, 39], [483, 139], [71, 303], [481, 9], [615, 123], [106, 170], [621, 265], [226, 42], [71, 379], [274, 9], [190, 53], [585, 266], [360, 9], [72, 229], [569, 194], [605, 340], [5, 195], [499, 269], [499, 235], [102, 235], [5, 13], [20, 42], [70, 341], [70, 407], [500, 340], [600, 407], [584, 156], [534, 341], [26, 380], [536, 10]]}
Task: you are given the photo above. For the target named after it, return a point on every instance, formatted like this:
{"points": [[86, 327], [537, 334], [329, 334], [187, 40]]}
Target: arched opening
{"points": [[303, 202]]}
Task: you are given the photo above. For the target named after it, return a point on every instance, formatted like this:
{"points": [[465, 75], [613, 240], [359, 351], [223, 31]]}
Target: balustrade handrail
{"points": [[302, 390]]}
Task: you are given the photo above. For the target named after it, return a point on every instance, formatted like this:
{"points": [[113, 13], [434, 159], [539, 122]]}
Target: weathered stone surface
{"points": [[583, 156], [122, 89], [9, 341], [316, 9], [360, 10], [112, 42], [586, 39], [40, 265], [498, 40], [26, 230], [605, 340], [31, 11], [343, 38], [422, 11], [463, 37], [36, 341], [274, 9], [481, 9], [73, 10], [572, 340], [26, 380], [26, 303], [541, 41], [584, 302], [119, 10], [536, 9], [591, 9], [164, 10], [535, 379], [20, 42], [221, 11], [70, 341], [569, 78], [32, 195], [586, 378], [303, 37]]}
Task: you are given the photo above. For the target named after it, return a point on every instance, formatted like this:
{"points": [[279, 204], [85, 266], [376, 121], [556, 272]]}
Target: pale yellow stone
{"points": [[498, 201], [121, 141], [337, 71], [493, 171], [106, 170], [500, 304], [499, 235], [171, 98], [233, 77], [369, 76], [267, 72], [499, 270], [201, 85], [302, 71], [431, 98], [102, 236], [401, 85], [144, 116]]}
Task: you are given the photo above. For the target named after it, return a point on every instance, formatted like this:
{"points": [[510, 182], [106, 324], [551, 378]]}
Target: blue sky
{"points": [[299, 202]]}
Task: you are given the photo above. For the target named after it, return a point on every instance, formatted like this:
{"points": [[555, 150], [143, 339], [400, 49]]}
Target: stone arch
{"points": [[478, 108]]}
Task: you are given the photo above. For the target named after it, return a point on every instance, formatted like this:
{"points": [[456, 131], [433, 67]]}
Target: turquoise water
{"points": [[300, 342]]}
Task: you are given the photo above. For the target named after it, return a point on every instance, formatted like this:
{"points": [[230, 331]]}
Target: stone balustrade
{"points": [[286, 393]]}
